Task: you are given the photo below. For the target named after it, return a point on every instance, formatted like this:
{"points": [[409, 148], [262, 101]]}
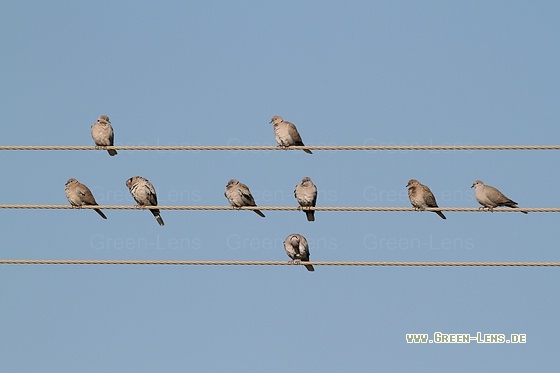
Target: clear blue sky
{"points": [[214, 73]]}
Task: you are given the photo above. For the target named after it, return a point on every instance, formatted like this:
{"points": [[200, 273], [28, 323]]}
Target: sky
{"points": [[214, 73]]}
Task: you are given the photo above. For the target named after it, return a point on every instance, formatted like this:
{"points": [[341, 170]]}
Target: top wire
{"points": [[270, 147]]}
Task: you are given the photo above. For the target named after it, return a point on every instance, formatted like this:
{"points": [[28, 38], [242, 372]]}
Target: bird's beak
{"points": [[472, 186]]}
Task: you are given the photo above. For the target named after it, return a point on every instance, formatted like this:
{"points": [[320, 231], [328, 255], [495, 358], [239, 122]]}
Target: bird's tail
{"points": [[258, 212], [440, 214], [158, 217], [310, 215], [513, 205], [309, 267], [100, 213], [307, 151], [516, 207], [112, 152]]}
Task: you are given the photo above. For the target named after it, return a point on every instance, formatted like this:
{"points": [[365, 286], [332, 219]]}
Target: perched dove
{"points": [[421, 196], [491, 197], [238, 195], [286, 133], [306, 195], [144, 194], [102, 133], [297, 249], [79, 195]]}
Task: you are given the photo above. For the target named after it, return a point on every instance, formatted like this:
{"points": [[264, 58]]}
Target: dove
{"points": [[421, 196], [297, 249], [306, 195], [144, 194], [102, 133], [286, 133], [491, 197], [238, 195], [79, 195]]}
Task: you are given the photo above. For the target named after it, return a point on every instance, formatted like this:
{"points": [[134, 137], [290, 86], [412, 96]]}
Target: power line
{"points": [[271, 147], [272, 263], [280, 208]]}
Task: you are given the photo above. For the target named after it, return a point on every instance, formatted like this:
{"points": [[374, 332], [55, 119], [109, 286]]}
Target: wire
{"points": [[273, 263], [281, 208], [271, 147]]}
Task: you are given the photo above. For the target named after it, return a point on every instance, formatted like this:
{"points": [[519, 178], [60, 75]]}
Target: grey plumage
{"points": [[490, 197], [286, 133], [102, 133], [306, 195], [297, 248], [79, 195], [239, 195], [144, 194], [421, 196]]}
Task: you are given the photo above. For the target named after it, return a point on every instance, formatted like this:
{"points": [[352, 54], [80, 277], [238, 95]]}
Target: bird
{"points": [[79, 195], [298, 250], [286, 133], [144, 194], [490, 197], [306, 195], [421, 196], [102, 133], [238, 195]]}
